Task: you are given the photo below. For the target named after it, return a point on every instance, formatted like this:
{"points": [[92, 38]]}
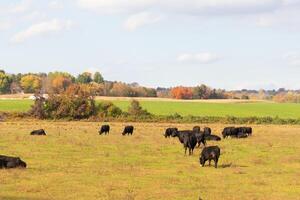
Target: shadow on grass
{"points": [[230, 165]]}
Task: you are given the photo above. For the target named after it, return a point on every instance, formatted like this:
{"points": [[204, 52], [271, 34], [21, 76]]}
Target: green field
{"points": [[74, 162], [258, 109]]}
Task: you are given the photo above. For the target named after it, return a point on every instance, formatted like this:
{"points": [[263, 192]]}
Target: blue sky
{"points": [[230, 44]]}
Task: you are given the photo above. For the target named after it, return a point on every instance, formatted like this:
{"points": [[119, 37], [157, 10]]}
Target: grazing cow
{"points": [[104, 129], [230, 131], [169, 132], [196, 129], [210, 153], [128, 130], [212, 137], [187, 138], [11, 162], [207, 131], [38, 132]]}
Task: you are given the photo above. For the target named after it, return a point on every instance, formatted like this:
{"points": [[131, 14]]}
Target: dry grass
{"points": [[74, 162]]}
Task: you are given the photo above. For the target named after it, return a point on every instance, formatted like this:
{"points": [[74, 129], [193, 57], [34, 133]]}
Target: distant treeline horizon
{"points": [[57, 82]]}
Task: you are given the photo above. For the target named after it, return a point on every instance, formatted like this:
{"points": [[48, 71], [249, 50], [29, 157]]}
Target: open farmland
{"points": [[195, 108], [74, 162]]}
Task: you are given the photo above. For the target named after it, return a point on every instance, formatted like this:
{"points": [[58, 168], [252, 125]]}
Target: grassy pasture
{"points": [[73, 162], [240, 109]]}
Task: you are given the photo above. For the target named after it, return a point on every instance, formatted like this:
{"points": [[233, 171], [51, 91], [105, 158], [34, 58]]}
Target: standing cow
{"points": [[104, 129], [187, 138], [207, 131], [128, 130], [169, 131], [196, 129]]}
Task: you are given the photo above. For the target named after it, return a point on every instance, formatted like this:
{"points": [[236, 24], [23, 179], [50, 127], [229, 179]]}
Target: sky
{"points": [[230, 44]]}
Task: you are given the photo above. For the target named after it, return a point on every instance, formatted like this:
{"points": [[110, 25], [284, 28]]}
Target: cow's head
{"points": [[202, 160]]}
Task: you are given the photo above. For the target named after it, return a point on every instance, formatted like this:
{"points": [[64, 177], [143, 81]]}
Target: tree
{"points": [[31, 83], [60, 83], [5, 81], [182, 92], [84, 78], [121, 90], [98, 78], [136, 110], [75, 103], [53, 75], [202, 92]]}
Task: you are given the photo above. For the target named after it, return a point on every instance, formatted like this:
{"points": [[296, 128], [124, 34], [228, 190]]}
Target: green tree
{"points": [[201, 92], [5, 81], [98, 78], [84, 78]]}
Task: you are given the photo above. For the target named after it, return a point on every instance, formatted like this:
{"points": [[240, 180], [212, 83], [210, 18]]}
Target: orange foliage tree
{"points": [[182, 92]]}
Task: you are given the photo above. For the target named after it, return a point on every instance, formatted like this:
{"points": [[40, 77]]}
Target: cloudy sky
{"points": [[230, 44]]}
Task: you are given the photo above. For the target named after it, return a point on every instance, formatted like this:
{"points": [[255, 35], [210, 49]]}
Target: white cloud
{"points": [[264, 13], [199, 7], [141, 19], [115, 6], [42, 28], [202, 58], [293, 58]]}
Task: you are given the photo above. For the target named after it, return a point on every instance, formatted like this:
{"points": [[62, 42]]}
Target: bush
{"points": [[108, 109], [75, 103], [136, 110]]}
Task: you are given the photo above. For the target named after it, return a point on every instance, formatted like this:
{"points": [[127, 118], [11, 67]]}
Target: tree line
{"points": [[58, 82]]}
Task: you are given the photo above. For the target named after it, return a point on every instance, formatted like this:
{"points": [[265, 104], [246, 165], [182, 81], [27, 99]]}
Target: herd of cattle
{"points": [[189, 139]]}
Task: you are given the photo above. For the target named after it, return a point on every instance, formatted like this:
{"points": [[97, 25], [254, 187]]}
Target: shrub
{"points": [[108, 109], [75, 103], [136, 110]]}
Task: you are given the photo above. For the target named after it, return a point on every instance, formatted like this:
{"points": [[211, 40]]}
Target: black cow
{"points": [[11, 162], [247, 130], [212, 137], [210, 153], [230, 131], [104, 129], [38, 132], [200, 138], [169, 132], [196, 129], [187, 138], [207, 131], [128, 130]]}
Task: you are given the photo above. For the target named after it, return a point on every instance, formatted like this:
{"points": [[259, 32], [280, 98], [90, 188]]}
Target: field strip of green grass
{"points": [[258, 109]]}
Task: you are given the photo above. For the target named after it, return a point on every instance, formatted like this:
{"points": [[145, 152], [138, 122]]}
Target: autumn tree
{"points": [[60, 83], [182, 92], [121, 90], [31, 83]]}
